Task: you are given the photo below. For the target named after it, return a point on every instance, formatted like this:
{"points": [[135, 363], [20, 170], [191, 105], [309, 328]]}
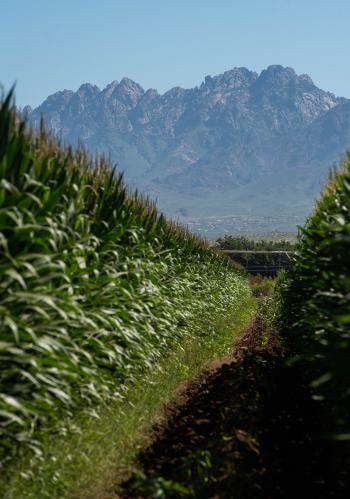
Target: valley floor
{"points": [[245, 428], [270, 227]]}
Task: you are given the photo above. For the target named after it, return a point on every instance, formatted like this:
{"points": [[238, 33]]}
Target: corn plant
{"points": [[316, 302], [95, 285]]}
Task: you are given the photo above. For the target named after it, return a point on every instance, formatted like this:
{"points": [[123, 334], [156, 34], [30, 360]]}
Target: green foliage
{"points": [[262, 286], [158, 487], [95, 285], [197, 470], [316, 302], [84, 455], [244, 243], [260, 261]]}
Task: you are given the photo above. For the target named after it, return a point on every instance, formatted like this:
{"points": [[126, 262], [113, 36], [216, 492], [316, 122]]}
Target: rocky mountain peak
{"points": [[279, 79], [307, 79], [128, 92], [230, 80], [88, 90], [277, 75], [129, 83], [151, 93], [238, 77], [57, 101], [174, 93], [109, 89]]}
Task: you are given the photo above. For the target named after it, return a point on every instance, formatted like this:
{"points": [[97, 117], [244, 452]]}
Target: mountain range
{"points": [[239, 144]]}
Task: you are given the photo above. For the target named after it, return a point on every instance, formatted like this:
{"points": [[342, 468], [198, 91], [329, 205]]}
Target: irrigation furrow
{"points": [[244, 429]]}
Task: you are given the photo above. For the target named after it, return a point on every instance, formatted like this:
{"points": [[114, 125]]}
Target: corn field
{"points": [[95, 285], [316, 303]]}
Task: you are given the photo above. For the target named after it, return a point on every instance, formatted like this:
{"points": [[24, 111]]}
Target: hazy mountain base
{"points": [[258, 208], [271, 228], [290, 192]]}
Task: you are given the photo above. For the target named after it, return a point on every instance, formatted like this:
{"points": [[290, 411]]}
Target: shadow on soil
{"points": [[247, 429]]}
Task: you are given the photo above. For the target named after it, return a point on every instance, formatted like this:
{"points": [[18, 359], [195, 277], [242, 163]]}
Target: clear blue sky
{"points": [[48, 45]]}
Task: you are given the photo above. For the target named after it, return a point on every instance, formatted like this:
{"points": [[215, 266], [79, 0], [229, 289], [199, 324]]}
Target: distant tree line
{"points": [[258, 262]]}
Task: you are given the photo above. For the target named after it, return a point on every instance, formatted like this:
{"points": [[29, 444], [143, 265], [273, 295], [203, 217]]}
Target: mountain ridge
{"points": [[218, 140]]}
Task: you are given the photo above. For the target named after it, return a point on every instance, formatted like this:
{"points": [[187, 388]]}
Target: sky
{"points": [[48, 45]]}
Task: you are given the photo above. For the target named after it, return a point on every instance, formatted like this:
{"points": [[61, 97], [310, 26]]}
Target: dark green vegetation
{"points": [[263, 263], [96, 288], [244, 243], [316, 305]]}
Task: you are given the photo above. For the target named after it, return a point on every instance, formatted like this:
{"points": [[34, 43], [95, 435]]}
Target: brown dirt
{"points": [[245, 429]]}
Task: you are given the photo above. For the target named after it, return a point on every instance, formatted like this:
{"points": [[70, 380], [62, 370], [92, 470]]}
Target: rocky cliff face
{"points": [[230, 146]]}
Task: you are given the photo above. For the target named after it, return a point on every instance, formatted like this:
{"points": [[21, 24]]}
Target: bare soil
{"points": [[244, 429]]}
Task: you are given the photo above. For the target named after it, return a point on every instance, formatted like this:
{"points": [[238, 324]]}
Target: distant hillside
{"points": [[239, 144]]}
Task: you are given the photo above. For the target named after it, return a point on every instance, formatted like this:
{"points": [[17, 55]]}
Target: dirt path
{"points": [[244, 429]]}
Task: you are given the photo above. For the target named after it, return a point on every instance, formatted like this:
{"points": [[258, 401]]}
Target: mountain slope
{"points": [[228, 147]]}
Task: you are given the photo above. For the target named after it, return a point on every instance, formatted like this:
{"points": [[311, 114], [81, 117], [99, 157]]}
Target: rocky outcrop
{"points": [[211, 140]]}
